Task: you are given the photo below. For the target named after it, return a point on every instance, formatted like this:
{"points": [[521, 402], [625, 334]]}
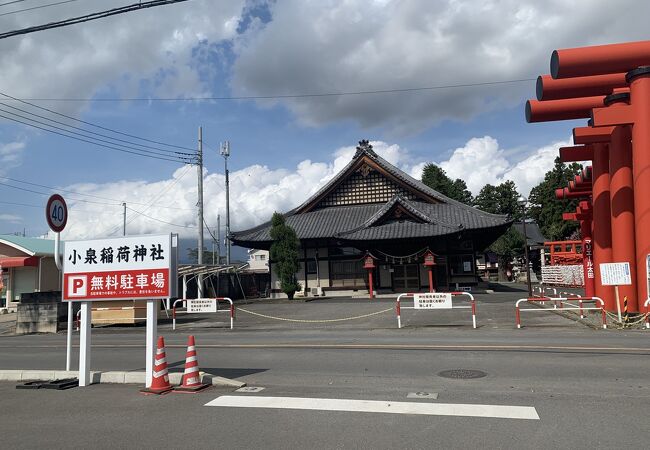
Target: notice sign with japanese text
{"points": [[432, 300], [615, 274], [201, 305], [124, 268]]}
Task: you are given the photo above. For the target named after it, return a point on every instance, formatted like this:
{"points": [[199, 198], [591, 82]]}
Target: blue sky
{"points": [[283, 148]]}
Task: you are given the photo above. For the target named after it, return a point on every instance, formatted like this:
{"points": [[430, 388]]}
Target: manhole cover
{"points": [[462, 374]]}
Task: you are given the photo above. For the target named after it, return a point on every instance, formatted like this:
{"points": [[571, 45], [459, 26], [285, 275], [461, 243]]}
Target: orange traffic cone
{"points": [[160, 378], [191, 376]]}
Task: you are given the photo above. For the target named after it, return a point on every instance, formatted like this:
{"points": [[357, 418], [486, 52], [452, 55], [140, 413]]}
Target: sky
{"points": [[240, 69]]}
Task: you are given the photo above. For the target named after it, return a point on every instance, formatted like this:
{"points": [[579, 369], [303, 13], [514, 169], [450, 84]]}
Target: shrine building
{"points": [[373, 209]]}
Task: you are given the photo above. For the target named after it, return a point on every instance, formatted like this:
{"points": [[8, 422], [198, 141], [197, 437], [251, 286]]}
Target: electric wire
{"points": [[192, 150], [122, 147], [89, 17], [12, 2], [163, 192], [100, 197], [91, 132], [286, 96], [37, 7], [93, 142]]}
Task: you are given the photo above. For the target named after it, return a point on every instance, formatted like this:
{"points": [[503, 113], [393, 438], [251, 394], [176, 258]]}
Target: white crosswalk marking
{"points": [[374, 406]]}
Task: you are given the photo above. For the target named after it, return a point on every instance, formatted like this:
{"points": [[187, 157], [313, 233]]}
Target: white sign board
{"points": [[615, 274], [201, 305], [124, 268], [432, 300]]}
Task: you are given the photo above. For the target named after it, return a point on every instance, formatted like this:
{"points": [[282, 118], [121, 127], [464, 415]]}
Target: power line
{"points": [[89, 17], [177, 160], [286, 96], [140, 213], [12, 2], [173, 152], [36, 7], [192, 150], [117, 202], [163, 192], [141, 152]]}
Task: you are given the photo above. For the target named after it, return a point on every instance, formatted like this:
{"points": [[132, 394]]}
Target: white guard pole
{"points": [[84, 344], [618, 305], [184, 287], [152, 331], [68, 347], [57, 261]]}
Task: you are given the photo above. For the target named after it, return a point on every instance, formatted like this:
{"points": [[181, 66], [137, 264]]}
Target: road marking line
{"points": [[374, 406]]}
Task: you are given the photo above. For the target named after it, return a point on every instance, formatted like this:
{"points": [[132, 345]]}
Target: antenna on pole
{"points": [[225, 152]]}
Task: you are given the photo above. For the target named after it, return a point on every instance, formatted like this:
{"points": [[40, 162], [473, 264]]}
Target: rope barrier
{"points": [[285, 319]]}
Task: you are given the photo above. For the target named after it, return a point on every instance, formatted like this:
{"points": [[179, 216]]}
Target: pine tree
{"points": [[284, 254], [436, 178]]}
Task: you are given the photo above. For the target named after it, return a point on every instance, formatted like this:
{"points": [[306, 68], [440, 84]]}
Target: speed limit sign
{"points": [[56, 213]]}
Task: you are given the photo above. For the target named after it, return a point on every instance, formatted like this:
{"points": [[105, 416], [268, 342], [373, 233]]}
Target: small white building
{"points": [[258, 260], [27, 266]]}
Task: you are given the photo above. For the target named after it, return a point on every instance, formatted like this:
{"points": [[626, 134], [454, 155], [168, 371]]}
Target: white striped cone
{"points": [[191, 376], [160, 378]]}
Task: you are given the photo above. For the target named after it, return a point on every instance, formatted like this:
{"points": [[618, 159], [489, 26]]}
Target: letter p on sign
{"points": [[77, 286]]}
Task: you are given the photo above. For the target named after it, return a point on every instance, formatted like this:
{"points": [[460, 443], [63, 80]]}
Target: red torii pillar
{"points": [[632, 58]]}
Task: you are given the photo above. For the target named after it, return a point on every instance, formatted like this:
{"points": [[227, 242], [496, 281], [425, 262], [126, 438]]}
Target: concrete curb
{"points": [[116, 377]]}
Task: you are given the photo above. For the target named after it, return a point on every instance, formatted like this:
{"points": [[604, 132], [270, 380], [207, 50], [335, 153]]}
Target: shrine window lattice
{"points": [[360, 189]]}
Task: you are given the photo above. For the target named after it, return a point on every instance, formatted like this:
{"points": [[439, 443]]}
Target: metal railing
{"points": [[399, 307]]}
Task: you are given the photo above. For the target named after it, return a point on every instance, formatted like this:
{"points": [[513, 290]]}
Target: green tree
{"points": [[284, 254], [193, 256], [500, 199], [503, 199], [546, 209], [436, 178]]}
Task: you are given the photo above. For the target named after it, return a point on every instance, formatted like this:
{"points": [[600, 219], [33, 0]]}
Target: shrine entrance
{"points": [[406, 277]]}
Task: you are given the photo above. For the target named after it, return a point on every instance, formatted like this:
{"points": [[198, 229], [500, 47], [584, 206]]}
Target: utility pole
{"points": [[219, 239], [225, 152], [199, 279], [124, 220]]}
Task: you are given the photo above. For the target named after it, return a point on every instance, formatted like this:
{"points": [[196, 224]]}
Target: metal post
{"points": [[124, 220], [227, 212], [530, 289], [84, 344], [184, 287], [225, 152], [199, 279], [68, 345], [151, 338], [218, 239]]}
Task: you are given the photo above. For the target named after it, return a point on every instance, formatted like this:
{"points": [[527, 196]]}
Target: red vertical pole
{"points": [[640, 100], [622, 200], [602, 232], [370, 283], [430, 279]]}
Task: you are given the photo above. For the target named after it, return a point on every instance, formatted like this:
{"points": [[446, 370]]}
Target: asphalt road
{"points": [[589, 387]]}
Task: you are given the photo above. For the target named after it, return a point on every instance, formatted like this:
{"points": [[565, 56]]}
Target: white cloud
{"points": [[11, 218], [481, 161], [121, 52], [356, 45], [10, 155], [257, 191]]}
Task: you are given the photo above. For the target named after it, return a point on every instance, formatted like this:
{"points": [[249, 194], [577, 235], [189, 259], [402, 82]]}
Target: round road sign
{"points": [[56, 213]]}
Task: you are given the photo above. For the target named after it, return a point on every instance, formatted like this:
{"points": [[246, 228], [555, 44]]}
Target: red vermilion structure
{"points": [[619, 134], [633, 58]]}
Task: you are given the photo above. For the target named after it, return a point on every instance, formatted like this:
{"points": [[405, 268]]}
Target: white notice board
{"points": [[432, 300], [201, 305], [615, 274]]}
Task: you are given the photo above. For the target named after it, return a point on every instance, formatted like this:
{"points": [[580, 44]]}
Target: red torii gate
{"points": [[618, 133]]}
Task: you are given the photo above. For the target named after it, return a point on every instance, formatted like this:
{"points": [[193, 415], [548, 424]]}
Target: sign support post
{"points": [[618, 304], [152, 337], [616, 274], [84, 344]]}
